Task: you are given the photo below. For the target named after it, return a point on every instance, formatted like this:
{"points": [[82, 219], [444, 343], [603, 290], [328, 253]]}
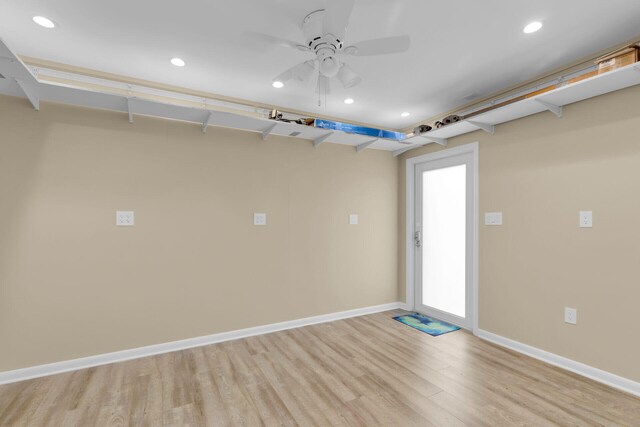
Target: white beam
{"points": [[364, 145], [409, 148], [205, 123], [31, 91], [267, 131], [130, 109], [485, 127], [319, 140], [555, 109]]}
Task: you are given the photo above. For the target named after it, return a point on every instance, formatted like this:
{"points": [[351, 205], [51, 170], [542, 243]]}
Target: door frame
{"points": [[410, 221]]}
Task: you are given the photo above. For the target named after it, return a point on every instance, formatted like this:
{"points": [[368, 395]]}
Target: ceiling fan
{"points": [[324, 32]]}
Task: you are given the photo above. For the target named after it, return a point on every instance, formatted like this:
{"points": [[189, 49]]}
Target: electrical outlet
{"points": [[493, 218], [570, 315], [353, 219], [586, 219], [259, 219], [124, 218]]}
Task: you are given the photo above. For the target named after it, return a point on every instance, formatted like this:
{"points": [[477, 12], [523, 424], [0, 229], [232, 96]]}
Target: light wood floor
{"points": [[364, 371]]}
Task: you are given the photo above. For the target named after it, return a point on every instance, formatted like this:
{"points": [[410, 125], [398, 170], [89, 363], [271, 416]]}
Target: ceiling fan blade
{"points": [[273, 40], [336, 17], [301, 72], [383, 46], [324, 87]]}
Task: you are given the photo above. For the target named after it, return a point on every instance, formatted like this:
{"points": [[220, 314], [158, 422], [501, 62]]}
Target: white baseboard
{"points": [[135, 353], [406, 306], [595, 374]]}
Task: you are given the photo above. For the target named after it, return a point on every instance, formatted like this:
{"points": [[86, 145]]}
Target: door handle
{"points": [[417, 238]]}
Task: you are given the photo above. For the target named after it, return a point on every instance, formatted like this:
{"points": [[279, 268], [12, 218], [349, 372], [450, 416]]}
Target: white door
{"points": [[444, 238]]}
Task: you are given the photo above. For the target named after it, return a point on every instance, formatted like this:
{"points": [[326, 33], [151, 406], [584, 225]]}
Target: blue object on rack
{"points": [[359, 130]]}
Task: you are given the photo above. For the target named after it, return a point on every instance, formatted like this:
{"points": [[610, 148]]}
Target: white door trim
{"points": [[410, 221]]}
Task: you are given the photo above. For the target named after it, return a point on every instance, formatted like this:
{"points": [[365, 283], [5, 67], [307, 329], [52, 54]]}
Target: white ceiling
{"points": [[458, 48]]}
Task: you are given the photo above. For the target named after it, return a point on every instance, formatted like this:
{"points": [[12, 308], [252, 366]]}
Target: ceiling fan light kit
{"points": [[348, 77]]}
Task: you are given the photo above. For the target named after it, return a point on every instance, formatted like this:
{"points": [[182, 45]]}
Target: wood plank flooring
{"points": [[365, 371]]}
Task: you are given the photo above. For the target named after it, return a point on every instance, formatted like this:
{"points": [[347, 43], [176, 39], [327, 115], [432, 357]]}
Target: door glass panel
{"points": [[444, 239]]}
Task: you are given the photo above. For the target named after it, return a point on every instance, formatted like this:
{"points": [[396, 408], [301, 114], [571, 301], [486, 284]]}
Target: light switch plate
{"points": [[586, 219], [124, 218], [259, 219], [353, 219], [493, 218], [570, 315]]}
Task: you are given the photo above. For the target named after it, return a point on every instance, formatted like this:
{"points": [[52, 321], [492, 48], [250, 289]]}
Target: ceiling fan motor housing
{"points": [[325, 46]]}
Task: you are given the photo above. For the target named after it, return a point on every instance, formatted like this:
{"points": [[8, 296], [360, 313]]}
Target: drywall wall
{"points": [[541, 171], [73, 284]]}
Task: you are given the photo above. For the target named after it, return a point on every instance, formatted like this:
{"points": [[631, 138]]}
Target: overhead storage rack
{"points": [[551, 101], [19, 80]]}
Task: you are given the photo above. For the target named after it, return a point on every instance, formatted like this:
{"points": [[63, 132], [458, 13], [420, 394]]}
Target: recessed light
{"points": [[405, 114], [349, 101], [277, 84], [178, 62], [44, 22], [532, 27]]}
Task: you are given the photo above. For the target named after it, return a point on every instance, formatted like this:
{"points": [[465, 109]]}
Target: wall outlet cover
{"points": [[124, 218], [353, 219], [571, 315], [493, 218], [586, 219], [259, 219]]}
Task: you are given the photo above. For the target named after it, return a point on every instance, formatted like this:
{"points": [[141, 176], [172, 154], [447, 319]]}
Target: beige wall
{"points": [[73, 284], [540, 172]]}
